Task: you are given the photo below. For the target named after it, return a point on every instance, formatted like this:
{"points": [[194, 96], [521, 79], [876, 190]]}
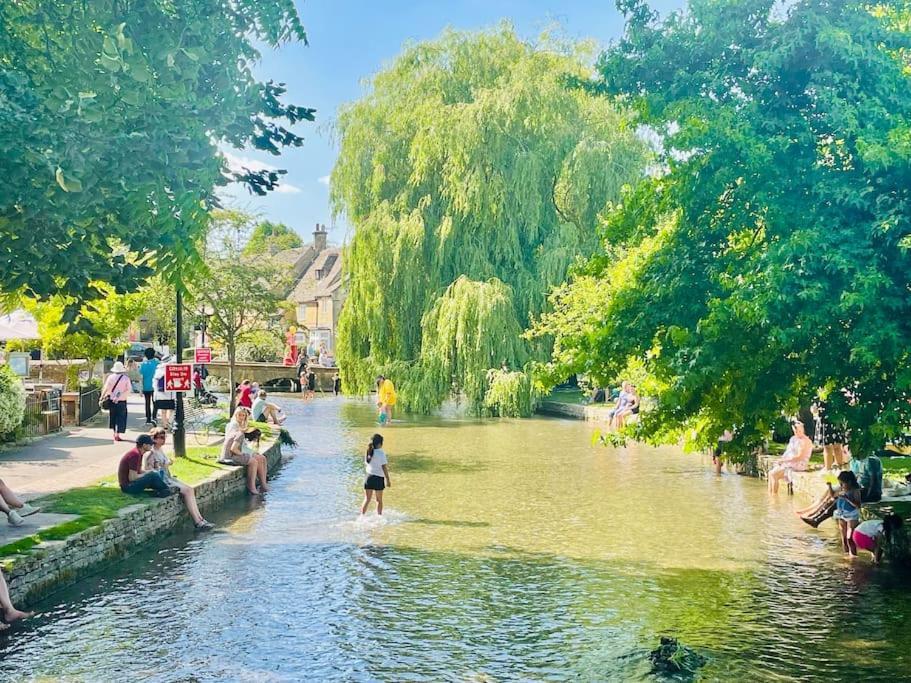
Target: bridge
{"points": [[272, 375]]}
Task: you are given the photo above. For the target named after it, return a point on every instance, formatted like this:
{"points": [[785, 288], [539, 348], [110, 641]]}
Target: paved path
{"points": [[76, 458]]}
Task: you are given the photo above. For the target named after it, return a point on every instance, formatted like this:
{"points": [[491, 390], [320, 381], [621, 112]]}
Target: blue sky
{"points": [[350, 40]]}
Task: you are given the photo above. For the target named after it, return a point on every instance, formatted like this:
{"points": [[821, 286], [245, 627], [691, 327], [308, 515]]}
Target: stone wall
{"points": [[55, 564], [576, 411]]}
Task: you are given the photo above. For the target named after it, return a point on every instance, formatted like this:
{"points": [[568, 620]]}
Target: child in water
{"points": [[847, 509], [875, 534], [376, 464]]}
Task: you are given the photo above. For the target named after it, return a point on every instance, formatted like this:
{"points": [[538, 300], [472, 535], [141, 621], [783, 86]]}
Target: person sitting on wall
{"points": [[7, 610], [14, 508], [157, 460], [263, 410], [236, 451], [133, 479], [869, 473], [796, 456]]}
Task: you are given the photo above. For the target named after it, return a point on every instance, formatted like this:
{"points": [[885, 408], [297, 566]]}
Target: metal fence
{"points": [[43, 413], [88, 403]]}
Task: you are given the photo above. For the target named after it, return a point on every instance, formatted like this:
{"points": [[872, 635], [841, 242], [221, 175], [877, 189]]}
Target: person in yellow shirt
{"points": [[385, 398]]}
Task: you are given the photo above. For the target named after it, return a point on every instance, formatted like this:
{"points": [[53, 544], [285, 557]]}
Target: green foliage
{"points": [[109, 318], [261, 346], [474, 178], [509, 394], [764, 262], [269, 238], [242, 296], [111, 118], [12, 401]]}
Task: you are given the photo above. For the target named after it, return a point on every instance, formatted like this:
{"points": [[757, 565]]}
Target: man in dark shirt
{"points": [[130, 475]]}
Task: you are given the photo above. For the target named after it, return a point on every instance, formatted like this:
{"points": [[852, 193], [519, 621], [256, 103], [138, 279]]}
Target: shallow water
{"points": [[510, 550]]}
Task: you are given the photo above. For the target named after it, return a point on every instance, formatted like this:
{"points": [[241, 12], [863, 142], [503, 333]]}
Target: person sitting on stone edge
{"points": [[8, 612], [133, 479], [13, 507]]}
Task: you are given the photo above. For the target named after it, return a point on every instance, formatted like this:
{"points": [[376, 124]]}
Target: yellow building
{"points": [[318, 294]]}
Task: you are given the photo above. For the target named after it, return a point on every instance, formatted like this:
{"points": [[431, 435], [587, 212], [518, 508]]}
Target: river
{"points": [[510, 550]]}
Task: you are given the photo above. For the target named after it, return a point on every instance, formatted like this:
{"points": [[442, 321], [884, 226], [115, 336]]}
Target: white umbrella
{"points": [[18, 325]]}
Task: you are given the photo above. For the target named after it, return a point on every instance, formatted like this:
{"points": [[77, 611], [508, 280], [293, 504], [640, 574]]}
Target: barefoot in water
{"points": [[12, 615]]}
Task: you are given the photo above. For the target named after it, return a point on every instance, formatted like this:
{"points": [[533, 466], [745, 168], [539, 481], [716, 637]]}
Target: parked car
{"points": [[136, 351]]}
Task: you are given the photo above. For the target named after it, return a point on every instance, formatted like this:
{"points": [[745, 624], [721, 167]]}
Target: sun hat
{"points": [[118, 367]]}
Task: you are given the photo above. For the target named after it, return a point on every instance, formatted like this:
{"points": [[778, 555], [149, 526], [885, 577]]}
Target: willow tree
{"points": [[473, 173]]}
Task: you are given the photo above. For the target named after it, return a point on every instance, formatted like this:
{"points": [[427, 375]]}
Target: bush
{"points": [[261, 347], [12, 401]]}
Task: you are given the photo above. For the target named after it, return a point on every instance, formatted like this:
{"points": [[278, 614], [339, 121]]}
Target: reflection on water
{"points": [[510, 550]]}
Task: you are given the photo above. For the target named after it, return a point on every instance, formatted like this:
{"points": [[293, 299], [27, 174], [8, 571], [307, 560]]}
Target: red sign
{"points": [[203, 355], [178, 377]]}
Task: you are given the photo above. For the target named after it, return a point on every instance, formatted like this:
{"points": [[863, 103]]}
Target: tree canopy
{"points": [[111, 114], [269, 238], [767, 261], [473, 176]]}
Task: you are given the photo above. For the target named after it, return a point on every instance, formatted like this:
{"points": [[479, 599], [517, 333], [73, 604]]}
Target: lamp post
{"points": [[180, 442]]}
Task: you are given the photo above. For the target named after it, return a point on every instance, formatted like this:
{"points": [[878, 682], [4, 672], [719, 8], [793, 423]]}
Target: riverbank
{"points": [[53, 563]]}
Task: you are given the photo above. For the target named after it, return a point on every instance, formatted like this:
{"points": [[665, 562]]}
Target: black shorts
{"points": [[834, 435], [166, 404], [375, 482], [311, 382]]}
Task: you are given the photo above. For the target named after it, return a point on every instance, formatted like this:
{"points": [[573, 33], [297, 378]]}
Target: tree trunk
{"points": [[232, 395]]}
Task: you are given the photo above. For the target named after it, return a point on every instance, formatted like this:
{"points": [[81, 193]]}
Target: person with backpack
{"points": [[114, 394], [165, 401]]}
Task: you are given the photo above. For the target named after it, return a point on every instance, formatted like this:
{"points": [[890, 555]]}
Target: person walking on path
{"points": [[157, 460], [385, 398], [14, 508], [7, 611], [117, 389], [377, 466], [147, 369], [165, 401]]}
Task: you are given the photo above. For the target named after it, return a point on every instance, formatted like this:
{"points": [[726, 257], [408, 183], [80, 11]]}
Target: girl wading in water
{"points": [[377, 468]]}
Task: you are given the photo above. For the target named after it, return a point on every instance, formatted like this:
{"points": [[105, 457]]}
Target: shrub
{"points": [[12, 401], [509, 394], [261, 347]]}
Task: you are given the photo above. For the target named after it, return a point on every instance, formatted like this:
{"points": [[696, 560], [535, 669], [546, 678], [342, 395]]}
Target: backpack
{"points": [[159, 383]]}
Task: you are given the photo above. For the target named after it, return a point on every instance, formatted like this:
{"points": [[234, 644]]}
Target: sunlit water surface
{"points": [[510, 550]]}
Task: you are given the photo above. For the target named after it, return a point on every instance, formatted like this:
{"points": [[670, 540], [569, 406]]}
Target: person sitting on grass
{"points": [[264, 411], [236, 451], [133, 479], [874, 535], [796, 456], [14, 508], [7, 611], [157, 460]]}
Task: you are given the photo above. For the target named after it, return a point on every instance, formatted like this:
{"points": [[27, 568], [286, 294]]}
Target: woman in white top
{"points": [[157, 459], [376, 464], [873, 535], [236, 451], [164, 402]]}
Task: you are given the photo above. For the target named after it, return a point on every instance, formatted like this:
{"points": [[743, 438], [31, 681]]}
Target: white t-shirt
{"points": [[161, 395], [872, 528], [375, 466]]}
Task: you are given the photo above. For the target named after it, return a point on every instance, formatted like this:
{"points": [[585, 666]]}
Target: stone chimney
{"points": [[319, 237]]}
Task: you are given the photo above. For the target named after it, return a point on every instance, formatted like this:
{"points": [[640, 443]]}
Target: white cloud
{"points": [[236, 163], [323, 180], [287, 188]]}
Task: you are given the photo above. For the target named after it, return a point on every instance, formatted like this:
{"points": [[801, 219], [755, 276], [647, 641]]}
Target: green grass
{"points": [[898, 466], [99, 502]]}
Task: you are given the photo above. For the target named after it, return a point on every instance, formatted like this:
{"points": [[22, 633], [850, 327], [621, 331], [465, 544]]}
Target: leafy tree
{"points": [[769, 260], [270, 238], [109, 318], [473, 177], [242, 297], [111, 116]]}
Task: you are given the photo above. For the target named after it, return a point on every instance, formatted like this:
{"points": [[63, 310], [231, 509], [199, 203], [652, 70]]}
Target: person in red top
{"points": [[131, 477], [245, 394]]}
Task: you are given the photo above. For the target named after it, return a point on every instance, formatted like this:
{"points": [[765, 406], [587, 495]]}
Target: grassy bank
{"points": [[102, 501]]}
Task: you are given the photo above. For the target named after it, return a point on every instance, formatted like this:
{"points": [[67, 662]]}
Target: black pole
{"points": [[180, 443]]}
